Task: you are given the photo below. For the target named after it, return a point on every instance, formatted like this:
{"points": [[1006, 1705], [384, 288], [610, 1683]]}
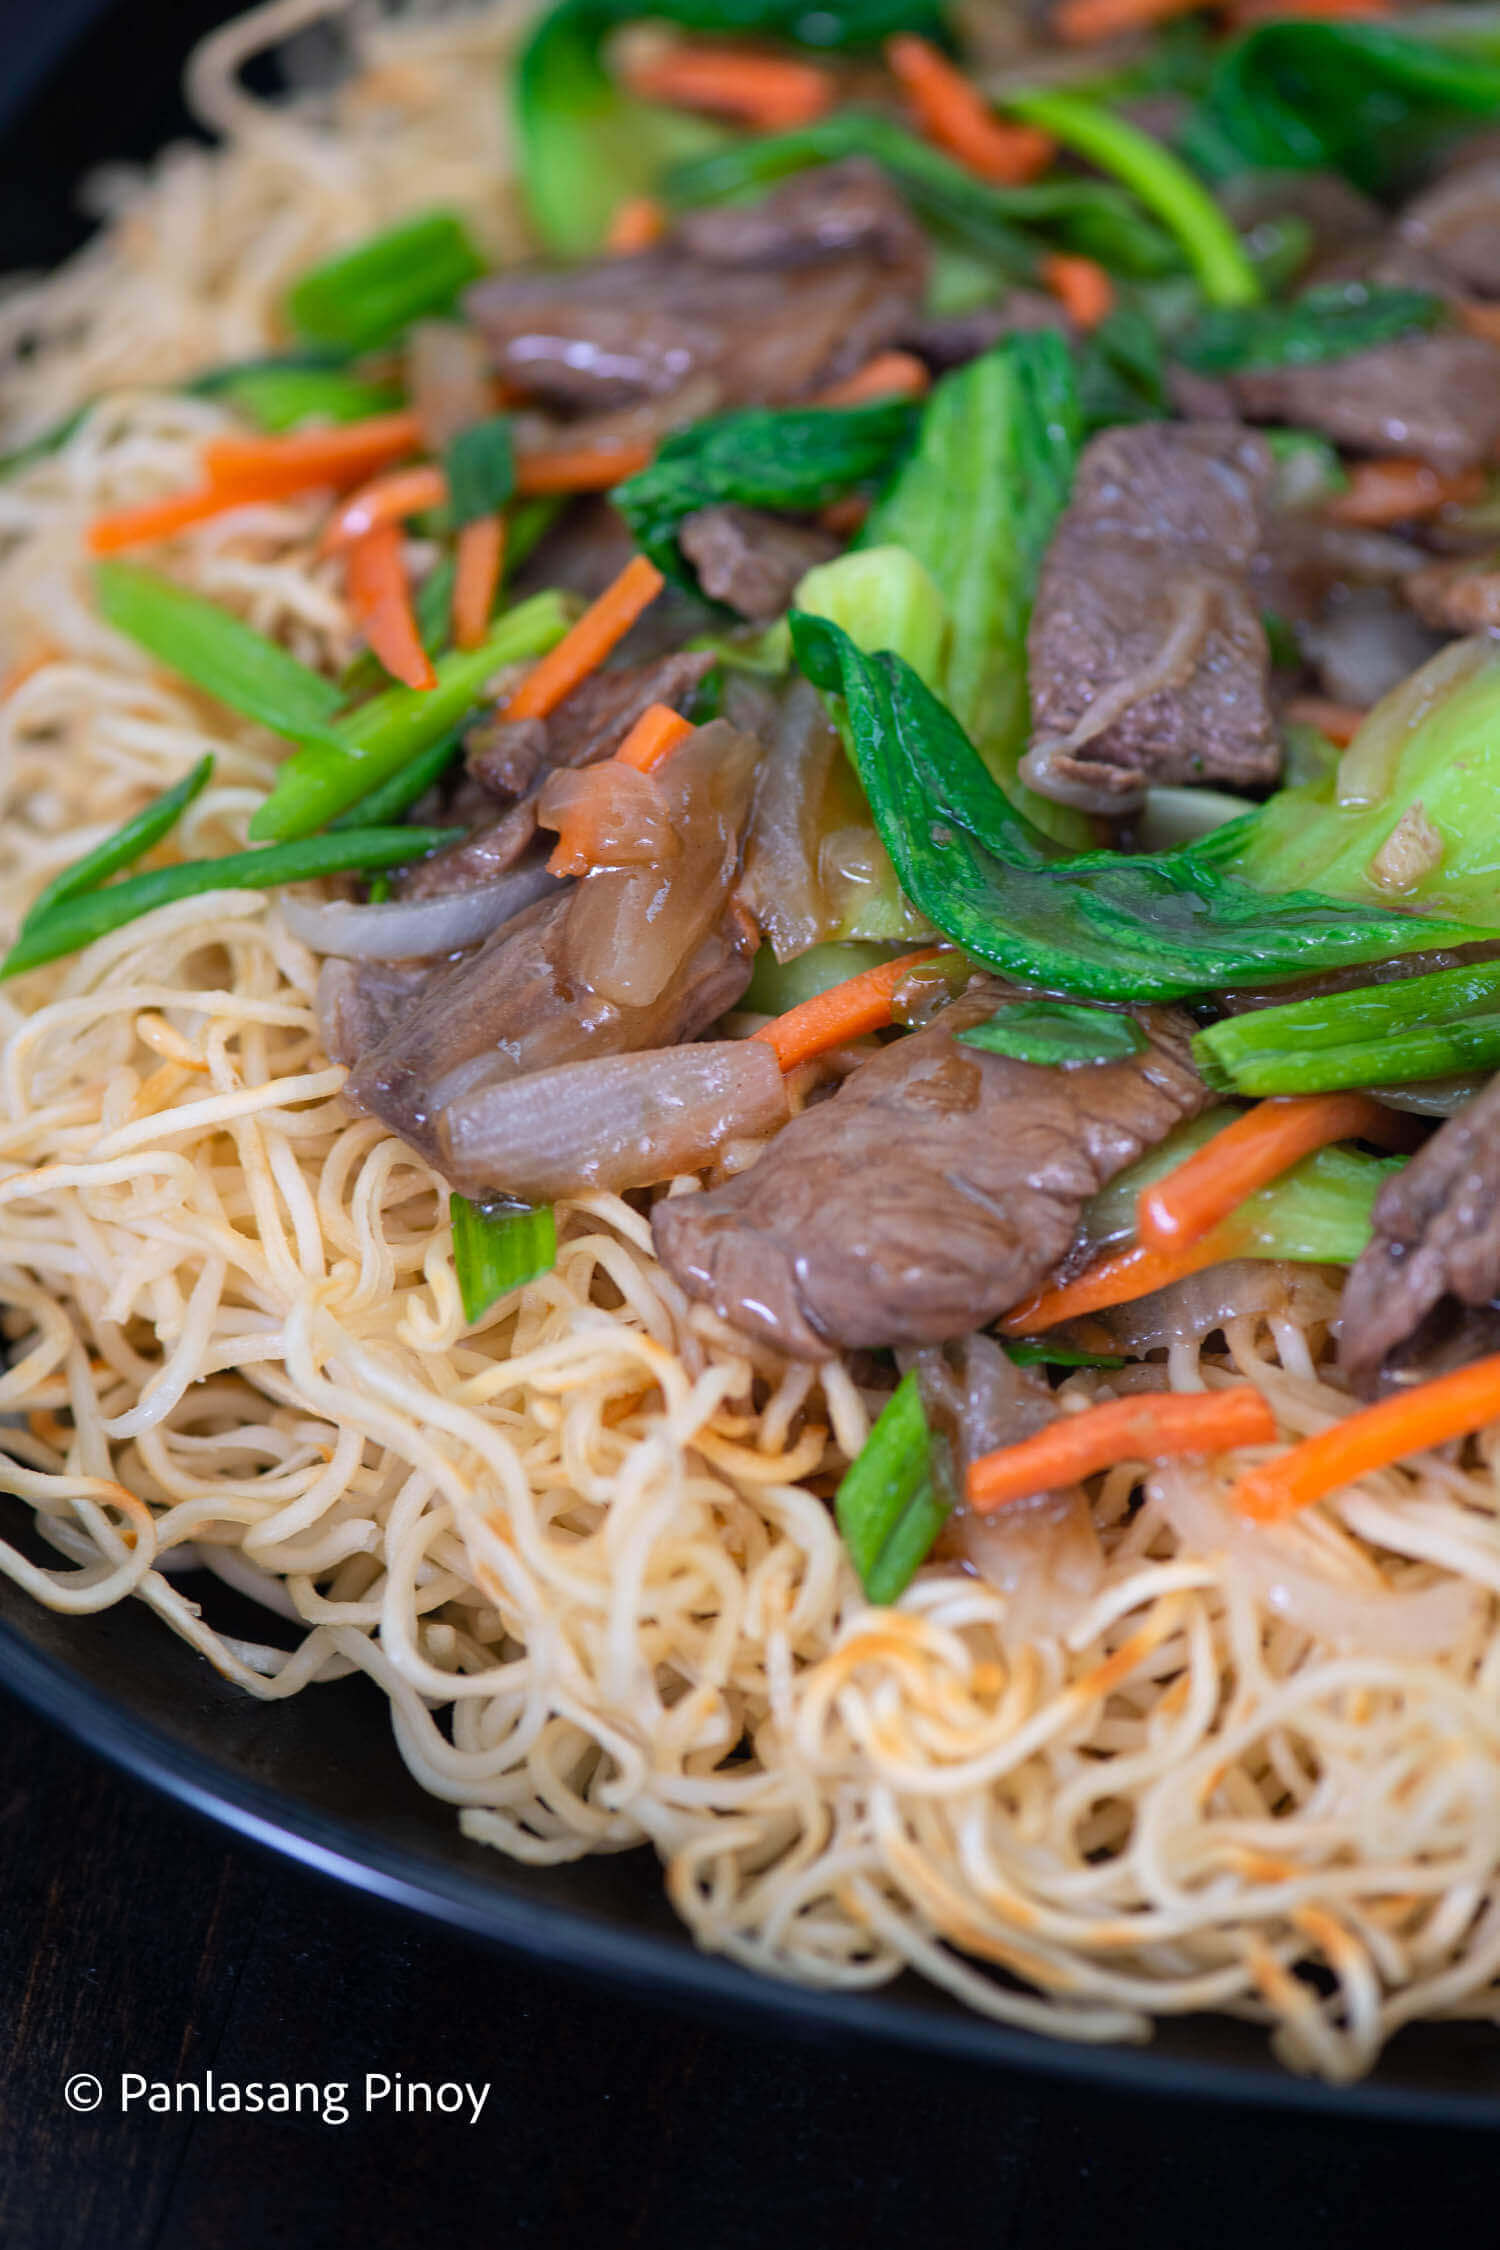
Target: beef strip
{"points": [[751, 560], [759, 304], [937, 1188], [1433, 398], [1460, 596], [1457, 224], [486, 852], [1437, 1235], [1148, 660], [509, 755], [359, 1002]]}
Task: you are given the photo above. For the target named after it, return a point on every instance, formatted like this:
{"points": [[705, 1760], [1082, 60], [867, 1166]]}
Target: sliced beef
{"points": [[757, 305], [505, 756], [509, 755], [1461, 596], [751, 560], [360, 1002], [1457, 224], [1433, 398], [1337, 217], [1437, 1236], [1148, 660], [937, 1188], [489, 850]]}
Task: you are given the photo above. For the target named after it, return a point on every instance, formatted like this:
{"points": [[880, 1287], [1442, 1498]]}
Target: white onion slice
{"points": [[401, 929], [615, 1121]]}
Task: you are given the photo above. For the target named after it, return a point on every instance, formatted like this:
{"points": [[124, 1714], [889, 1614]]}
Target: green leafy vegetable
{"points": [[1050, 1031], [1164, 185], [1356, 98], [481, 465], [129, 843], [1329, 322], [884, 597], [1010, 227], [368, 295], [385, 734], [977, 503], [794, 459], [227, 659], [386, 805], [498, 1248], [278, 398], [1120, 370], [1036, 1351], [77, 921], [888, 1507], [1103, 926], [1376, 1035]]}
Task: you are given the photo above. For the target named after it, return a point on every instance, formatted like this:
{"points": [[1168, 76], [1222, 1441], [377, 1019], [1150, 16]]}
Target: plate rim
{"points": [[668, 1966]]}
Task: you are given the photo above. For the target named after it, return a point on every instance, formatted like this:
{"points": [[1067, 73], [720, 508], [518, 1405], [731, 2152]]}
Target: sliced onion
{"points": [[1368, 767], [448, 378], [619, 1121], [607, 815], [781, 886], [1280, 1567], [401, 929]]}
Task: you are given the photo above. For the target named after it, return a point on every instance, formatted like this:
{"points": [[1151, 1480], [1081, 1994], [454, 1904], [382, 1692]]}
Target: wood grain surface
{"points": [[134, 1938]]}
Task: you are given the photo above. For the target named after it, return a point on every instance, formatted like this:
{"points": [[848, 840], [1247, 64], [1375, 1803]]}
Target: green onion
{"points": [[227, 659], [77, 921], [528, 525], [367, 295], [278, 398], [1375, 1035], [1162, 182], [1052, 1031], [385, 734], [1036, 1351], [498, 1248], [481, 466], [888, 1507], [386, 805], [128, 844]]}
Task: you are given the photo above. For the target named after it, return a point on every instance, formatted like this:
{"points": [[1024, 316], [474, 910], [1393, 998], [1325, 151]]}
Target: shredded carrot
{"points": [[305, 458], [585, 645], [1153, 1426], [1373, 1437], [845, 1011], [1257, 1148], [1084, 23], [887, 375], [162, 519], [638, 222], [1340, 722], [1081, 286], [380, 597], [768, 92], [654, 736], [579, 468], [1117, 1279], [955, 115], [1385, 492], [388, 499], [479, 559], [1479, 318]]}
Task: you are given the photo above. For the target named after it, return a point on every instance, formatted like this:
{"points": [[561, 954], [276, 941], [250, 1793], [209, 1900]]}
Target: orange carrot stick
{"points": [[479, 560], [305, 458], [1479, 318], [579, 468], [1117, 1280], [1385, 492], [162, 519], [585, 645], [654, 736], [638, 222], [1154, 1426], [1081, 286], [380, 598], [845, 1011], [388, 499], [1340, 722], [887, 375], [952, 113], [771, 92], [1374, 1437], [1257, 1148], [1083, 23]]}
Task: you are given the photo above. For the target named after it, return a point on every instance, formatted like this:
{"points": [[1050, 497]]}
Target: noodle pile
{"points": [[585, 1550]]}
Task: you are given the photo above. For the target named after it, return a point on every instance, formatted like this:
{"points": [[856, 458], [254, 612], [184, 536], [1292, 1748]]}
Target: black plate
{"points": [[320, 1778]]}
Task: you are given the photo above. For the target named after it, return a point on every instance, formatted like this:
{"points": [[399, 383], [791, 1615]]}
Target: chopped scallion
{"points": [[888, 1507], [129, 843], [367, 295], [395, 797], [481, 465], [217, 652], [498, 1248]]}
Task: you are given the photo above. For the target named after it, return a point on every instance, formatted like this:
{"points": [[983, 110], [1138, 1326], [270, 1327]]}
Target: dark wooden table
{"points": [[135, 1938]]}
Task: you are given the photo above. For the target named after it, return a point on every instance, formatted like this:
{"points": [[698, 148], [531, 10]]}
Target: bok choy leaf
{"points": [[1324, 323]]}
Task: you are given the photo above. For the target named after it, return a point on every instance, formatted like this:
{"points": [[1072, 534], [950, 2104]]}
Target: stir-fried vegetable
{"points": [[1376, 1035], [281, 397], [1103, 927], [1160, 1426], [366, 296], [1055, 1033], [1248, 1155], [481, 468], [129, 843], [889, 1508], [1411, 1421], [217, 652], [587, 641], [955, 115], [380, 739], [498, 1248], [78, 920], [839, 1013], [385, 805], [1329, 322], [792, 459]]}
